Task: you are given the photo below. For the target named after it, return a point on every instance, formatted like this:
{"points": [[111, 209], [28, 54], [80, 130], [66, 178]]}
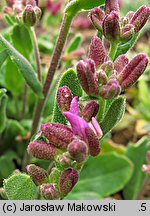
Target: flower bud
{"points": [[64, 98], [93, 142], [129, 16], [108, 67], [38, 174], [42, 150], [17, 7], [87, 77], [127, 32], [58, 134], [38, 13], [102, 77], [68, 180], [78, 150], [29, 17], [112, 5], [146, 168], [97, 17], [65, 160], [133, 71], [49, 192], [97, 51], [90, 110], [10, 3], [140, 18], [120, 63], [8, 10], [31, 2], [110, 90], [111, 26]]}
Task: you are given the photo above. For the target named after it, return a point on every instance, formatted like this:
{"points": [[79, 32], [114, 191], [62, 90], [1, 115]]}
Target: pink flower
{"points": [[54, 7]]}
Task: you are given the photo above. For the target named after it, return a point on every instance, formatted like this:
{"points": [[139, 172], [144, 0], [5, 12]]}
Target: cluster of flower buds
{"points": [[114, 28], [26, 11], [79, 140], [146, 167], [99, 76]]}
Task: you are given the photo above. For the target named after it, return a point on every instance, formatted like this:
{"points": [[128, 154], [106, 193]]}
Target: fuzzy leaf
{"points": [[24, 66], [105, 174], [69, 79], [73, 7], [123, 48], [113, 115], [137, 154], [75, 43], [20, 187], [22, 41], [14, 83]]}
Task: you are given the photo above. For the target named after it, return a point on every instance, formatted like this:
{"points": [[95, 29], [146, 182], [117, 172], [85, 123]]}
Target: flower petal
{"points": [[74, 107], [78, 124]]}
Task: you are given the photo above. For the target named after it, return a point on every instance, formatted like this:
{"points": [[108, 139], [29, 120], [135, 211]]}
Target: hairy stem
{"points": [[65, 26], [37, 53], [113, 50], [100, 114]]}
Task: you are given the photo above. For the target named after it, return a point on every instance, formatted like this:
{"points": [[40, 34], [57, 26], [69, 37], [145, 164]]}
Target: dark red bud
{"points": [[97, 51], [140, 18], [90, 110], [120, 63], [102, 77], [87, 76], [110, 90], [68, 180], [111, 26], [78, 150], [64, 98], [58, 134], [108, 67], [97, 17], [29, 17], [38, 174], [127, 32], [111, 5], [133, 71], [42, 150], [49, 192], [93, 142]]}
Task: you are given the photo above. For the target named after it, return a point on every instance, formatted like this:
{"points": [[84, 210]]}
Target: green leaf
{"points": [[75, 43], [22, 41], [123, 48], [14, 83], [3, 118], [73, 7], [20, 187], [83, 196], [3, 57], [24, 66], [105, 174], [137, 154], [7, 165], [69, 78], [113, 115]]}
